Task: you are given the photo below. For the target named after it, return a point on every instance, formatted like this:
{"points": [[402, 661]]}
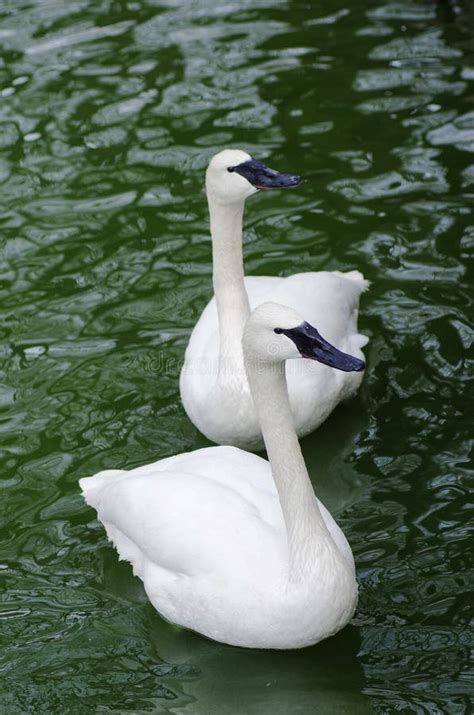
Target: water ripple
{"points": [[108, 115]]}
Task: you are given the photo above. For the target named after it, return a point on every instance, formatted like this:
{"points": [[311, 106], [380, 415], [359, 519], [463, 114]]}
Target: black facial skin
{"points": [[313, 346], [262, 177]]}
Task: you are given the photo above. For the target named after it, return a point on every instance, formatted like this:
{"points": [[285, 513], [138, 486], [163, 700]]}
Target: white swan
{"points": [[213, 384], [227, 544]]}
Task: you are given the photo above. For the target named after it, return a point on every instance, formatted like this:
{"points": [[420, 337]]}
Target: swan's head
{"points": [[275, 333], [232, 176]]}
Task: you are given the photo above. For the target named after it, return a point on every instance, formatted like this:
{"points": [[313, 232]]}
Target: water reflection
{"points": [[235, 680], [108, 114]]}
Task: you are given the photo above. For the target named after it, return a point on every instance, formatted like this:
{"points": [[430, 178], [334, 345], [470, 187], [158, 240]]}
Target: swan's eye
{"points": [[231, 169], [278, 331]]}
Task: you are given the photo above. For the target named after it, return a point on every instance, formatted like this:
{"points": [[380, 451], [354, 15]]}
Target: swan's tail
{"points": [[92, 487], [356, 341], [357, 277], [92, 490]]}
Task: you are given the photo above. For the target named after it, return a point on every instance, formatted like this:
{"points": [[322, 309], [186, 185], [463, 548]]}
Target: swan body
{"points": [[213, 383], [155, 515], [227, 544], [216, 394]]}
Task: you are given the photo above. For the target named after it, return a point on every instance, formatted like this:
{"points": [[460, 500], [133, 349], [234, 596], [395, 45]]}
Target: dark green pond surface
{"points": [[109, 112]]}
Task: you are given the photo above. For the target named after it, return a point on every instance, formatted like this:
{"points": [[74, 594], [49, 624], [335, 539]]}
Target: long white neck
{"points": [[306, 529], [228, 279]]}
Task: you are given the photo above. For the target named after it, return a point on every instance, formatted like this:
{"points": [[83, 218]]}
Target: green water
{"points": [[109, 111]]}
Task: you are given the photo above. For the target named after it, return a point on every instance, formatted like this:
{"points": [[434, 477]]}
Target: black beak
{"points": [[312, 345], [262, 177]]}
